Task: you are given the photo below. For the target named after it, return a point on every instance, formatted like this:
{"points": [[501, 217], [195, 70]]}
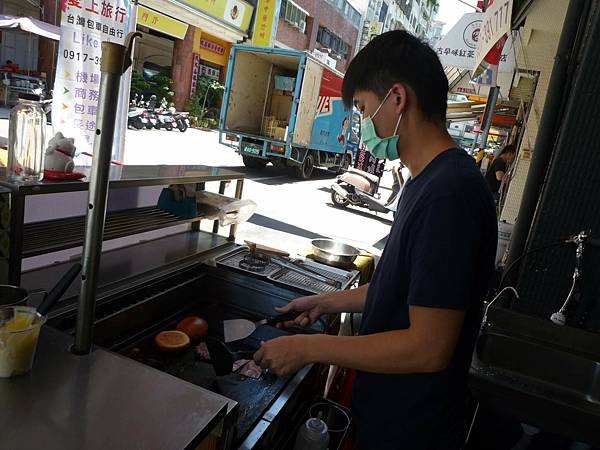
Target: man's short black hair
{"points": [[399, 57]]}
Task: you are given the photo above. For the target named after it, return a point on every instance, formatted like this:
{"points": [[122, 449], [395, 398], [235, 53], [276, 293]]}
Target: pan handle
{"points": [[59, 289]]}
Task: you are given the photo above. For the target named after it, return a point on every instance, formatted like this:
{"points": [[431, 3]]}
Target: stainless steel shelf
{"points": [[53, 235], [129, 176]]}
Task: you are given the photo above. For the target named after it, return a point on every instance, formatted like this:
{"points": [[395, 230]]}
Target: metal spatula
{"points": [[222, 358], [237, 329]]}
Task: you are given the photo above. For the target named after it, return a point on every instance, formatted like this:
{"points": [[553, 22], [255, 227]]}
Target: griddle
{"points": [[252, 395], [128, 320]]}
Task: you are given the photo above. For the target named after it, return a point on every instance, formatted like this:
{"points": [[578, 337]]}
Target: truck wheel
{"points": [[338, 200], [304, 171], [254, 163]]}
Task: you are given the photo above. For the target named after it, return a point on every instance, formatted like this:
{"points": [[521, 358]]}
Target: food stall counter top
{"points": [[129, 176], [102, 401]]}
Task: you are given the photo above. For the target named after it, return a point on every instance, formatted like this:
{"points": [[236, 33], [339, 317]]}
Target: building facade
{"points": [[327, 28], [436, 32], [189, 38], [181, 38], [19, 46], [415, 16]]}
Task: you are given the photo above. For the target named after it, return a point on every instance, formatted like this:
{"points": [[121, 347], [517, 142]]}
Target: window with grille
{"points": [[294, 15], [332, 41]]}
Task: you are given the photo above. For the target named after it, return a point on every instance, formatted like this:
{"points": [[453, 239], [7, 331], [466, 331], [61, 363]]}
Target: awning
{"points": [[30, 25]]}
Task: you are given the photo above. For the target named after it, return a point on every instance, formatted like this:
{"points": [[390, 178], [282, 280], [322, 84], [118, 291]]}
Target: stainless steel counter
{"points": [[130, 176], [102, 401]]}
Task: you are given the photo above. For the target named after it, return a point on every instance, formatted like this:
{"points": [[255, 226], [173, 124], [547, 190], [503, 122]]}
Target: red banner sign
{"points": [[212, 46]]}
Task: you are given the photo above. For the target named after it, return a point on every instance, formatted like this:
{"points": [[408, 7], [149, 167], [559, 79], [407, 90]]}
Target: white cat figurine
{"points": [[59, 154]]}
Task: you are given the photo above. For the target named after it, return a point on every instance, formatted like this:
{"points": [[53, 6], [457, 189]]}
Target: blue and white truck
{"points": [[285, 107]]}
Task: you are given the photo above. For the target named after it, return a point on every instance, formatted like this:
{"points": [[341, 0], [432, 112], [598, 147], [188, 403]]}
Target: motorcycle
{"points": [[165, 119], [182, 120], [358, 188], [138, 116]]}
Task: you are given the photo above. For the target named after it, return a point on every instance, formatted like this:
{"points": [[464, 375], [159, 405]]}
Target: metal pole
{"points": [[222, 186], [558, 89], [116, 59], [488, 114], [239, 187]]}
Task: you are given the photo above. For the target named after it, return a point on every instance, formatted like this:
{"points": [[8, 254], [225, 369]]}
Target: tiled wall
{"points": [[535, 51]]}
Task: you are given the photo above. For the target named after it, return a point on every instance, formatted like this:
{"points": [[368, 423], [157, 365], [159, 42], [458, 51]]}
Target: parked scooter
{"points": [[164, 116], [358, 188], [135, 118], [182, 120], [135, 115]]}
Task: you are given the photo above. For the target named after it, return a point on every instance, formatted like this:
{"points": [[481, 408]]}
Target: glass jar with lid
{"points": [[26, 140]]}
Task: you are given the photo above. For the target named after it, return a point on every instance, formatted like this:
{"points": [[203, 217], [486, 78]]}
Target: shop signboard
{"points": [[195, 71], [210, 72], [212, 46], [265, 23], [236, 13], [85, 24], [458, 47], [160, 22]]}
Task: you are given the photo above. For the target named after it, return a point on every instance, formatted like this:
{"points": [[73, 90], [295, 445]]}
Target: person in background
{"points": [[10, 66], [497, 171], [422, 309]]}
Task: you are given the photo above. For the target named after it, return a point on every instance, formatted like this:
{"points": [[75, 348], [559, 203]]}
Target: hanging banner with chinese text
{"points": [[85, 24], [495, 27], [458, 47], [265, 23]]}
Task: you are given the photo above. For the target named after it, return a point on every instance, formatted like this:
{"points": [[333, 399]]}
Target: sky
{"points": [[450, 10]]}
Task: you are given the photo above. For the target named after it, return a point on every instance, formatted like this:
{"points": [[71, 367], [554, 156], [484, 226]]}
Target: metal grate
{"points": [[60, 234], [233, 260], [297, 280], [287, 277]]}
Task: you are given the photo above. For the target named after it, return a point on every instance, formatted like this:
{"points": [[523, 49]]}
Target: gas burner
{"points": [[255, 262]]}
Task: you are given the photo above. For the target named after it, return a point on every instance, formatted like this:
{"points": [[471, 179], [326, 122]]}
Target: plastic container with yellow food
{"points": [[19, 332]]}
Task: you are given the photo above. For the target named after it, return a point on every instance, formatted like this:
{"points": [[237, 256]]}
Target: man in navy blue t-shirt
{"points": [[423, 307]]}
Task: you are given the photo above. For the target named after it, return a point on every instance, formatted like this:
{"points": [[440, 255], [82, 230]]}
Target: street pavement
{"points": [[290, 212]]}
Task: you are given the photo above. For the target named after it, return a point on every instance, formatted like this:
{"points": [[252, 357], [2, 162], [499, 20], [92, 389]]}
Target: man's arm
{"points": [[426, 346], [349, 301], [314, 306]]}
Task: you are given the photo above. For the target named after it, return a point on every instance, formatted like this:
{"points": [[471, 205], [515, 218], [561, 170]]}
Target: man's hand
{"points": [[311, 308], [283, 356]]}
